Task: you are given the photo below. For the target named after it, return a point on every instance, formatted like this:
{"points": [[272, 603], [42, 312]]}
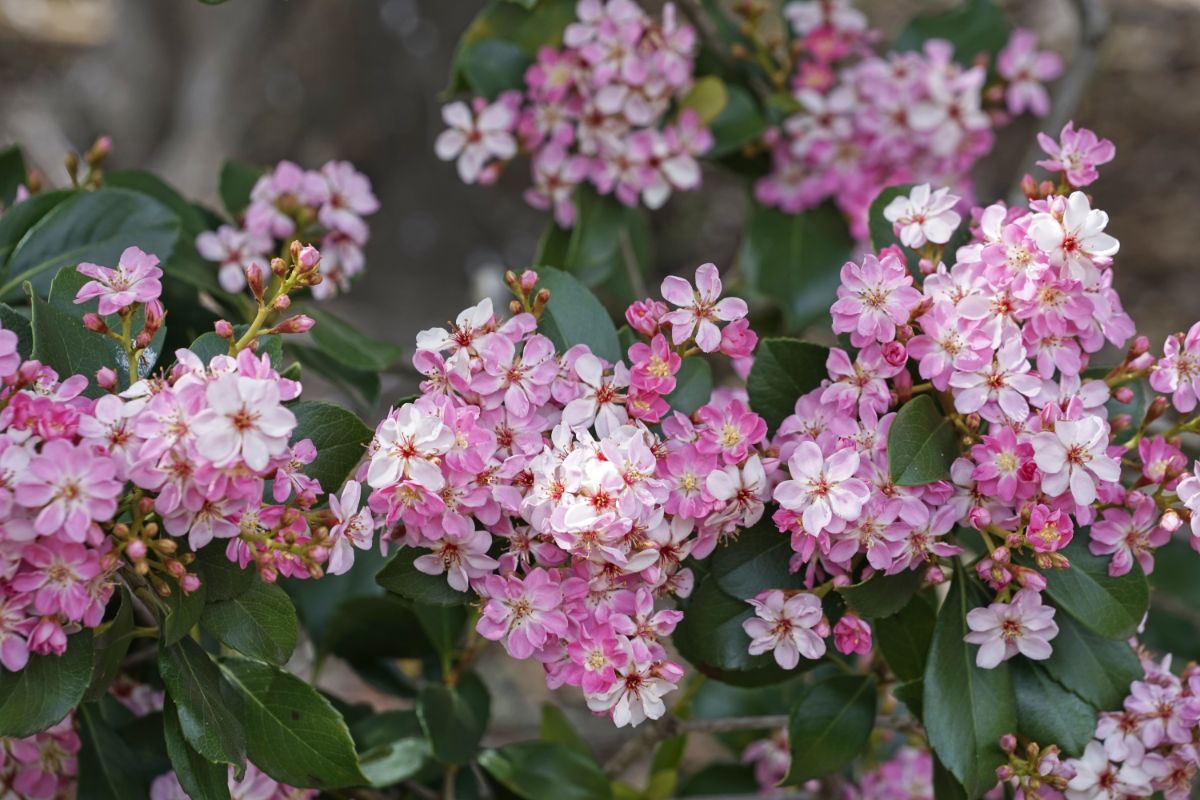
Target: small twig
{"points": [[636, 282], [1093, 26], [424, 792]]}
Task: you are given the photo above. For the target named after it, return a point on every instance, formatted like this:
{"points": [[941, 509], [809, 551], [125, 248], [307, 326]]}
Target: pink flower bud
{"points": [[895, 354], [106, 378], [822, 628], [224, 328], [189, 583], [308, 258], [737, 340], [103, 146], [1141, 344], [93, 323], [1123, 395], [319, 553], [142, 340], [644, 316], [979, 518], [1030, 579], [1001, 555], [1171, 521], [254, 279], [135, 550], [1008, 743], [935, 575], [852, 634], [1004, 773], [300, 323], [529, 280]]}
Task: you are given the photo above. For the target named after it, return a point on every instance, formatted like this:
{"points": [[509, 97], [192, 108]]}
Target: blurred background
{"points": [[181, 87]]}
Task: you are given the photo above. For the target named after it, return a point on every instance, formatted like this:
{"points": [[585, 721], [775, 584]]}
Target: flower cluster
{"points": [[864, 121], [288, 204], [42, 766], [532, 477], [593, 111]]}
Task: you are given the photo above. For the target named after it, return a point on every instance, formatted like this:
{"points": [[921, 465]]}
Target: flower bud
{"points": [[279, 267], [94, 324], [529, 279], [282, 302], [189, 583], [176, 568], [135, 550], [1004, 773], [514, 307], [308, 258], [895, 354], [142, 340], [1120, 422], [1170, 521], [1141, 344], [300, 323], [254, 279], [1123, 395], [979, 518], [224, 328], [319, 553], [935, 575], [1001, 555], [1008, 743], [106, 378], [1157, 408]]}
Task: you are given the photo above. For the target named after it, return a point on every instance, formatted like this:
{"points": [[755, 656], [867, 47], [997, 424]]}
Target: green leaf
{"points": [[546, 771], [740, 122], [443, 626], [783, 371], [200, 778], [882, 233], [452, 726], [182, 613], [921, 444], [830, 725], [574, 316], [757, 560], [18, 323], [904, 638], [494, 66], [558, 729], [108, 767], [221, 578], [293, 733], [966, 709], [1049, 714], [608, 242], [340, 438], [342, 341], [1098, 670], [911, 694], [60, 341], [793, 260], [90, 226], [363, 386], [40, 695], [401, 577], [111, 645], [528, 24], [945, 785], [260, 623], [12, 174], [707, 97], [392, 747], [693, 386], [207, 723], [136, 180], [17, 221], [718, 779], [236, 182], [1111, 607], [882, 595], [664, 768], [365, 629], [977, 26]]}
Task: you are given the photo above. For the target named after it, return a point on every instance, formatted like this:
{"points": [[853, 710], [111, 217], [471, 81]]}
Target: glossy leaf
{"points": [[260, 623], [452, 726], [401, 577], [740, 122], [341, 340], [783, 371], [16, 221], [13, 320], [111, 644], [556, 727], [882, 595], [756, 560], [546, 771], [494, 66], [693, 386], [1098, 670], [1110, 607], [182, 613], [975, 27], [221, 578], [904, 638], [528, 24], [108, 767], [882, 233], [921, 443], [362, 386], [236, 182], [12, 174], [40, 695], [830, 725], [60, 341], [207, 723], [200, 778], [1046, 712], [340, 438], [392, 747]]}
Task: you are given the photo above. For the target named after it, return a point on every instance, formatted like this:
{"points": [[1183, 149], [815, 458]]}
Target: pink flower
{"points": [[71, 486], [1002, 464], [645, 316], [999, 387], [1178, 371], [873, 299], [234, 251], [1098, 779], [1073, 458], [1048, 530], [10, 359], [823, 491], [1129, 534], [785, 626], [1072, 234], [852, 634], [135, 280], [461, 556], [355, 528], [15, 625], [699, 309], [244, 421], [923, 216], [477, 138], [59, 578], [524, 613], [1077, 154], [1024, 626], [730, 432], [1026, 70], [596, 655], [654, 366], [409, 443]]}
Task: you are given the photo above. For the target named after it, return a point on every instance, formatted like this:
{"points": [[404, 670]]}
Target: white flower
{"points": [[1076, 239], [785, 625], [742, 490], [598, 403], [1002, 630], [1097, 779], [1073, 456], [823, 491], [243, 419], [475, 140], [923, 216], [408, 444], [462, 558], [635, 696], [355, 528]]}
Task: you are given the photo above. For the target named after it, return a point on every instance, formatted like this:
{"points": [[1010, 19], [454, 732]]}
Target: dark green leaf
{"points": [[574, 316], [111, 645], [293, 733], [739, 123], [904, 638], [494, 66], [194, 683], [557, 728], [1111, 607], [945, 785], [693, 386], [108, 767], [443, 626], [882, 233], [356, 350], [783, 371], [12, 174], [17, 221], [1049, 714], [718, 779], [966, 709], [1098, 670], [830, 725], [236, 182], [222, 579], [911, 693], [882, 595], [401, 577], [975, 27], [60, 341], [546, 771], [18, 323], [182, 613], [364, 387], [793, 260], [528, 24], [41, 694], [756, 560], [260, 623], [340, 438], [452, 726], [392, 747], [136, 180], [200, 778], [921, 444], [365, 629], [90, 226]]}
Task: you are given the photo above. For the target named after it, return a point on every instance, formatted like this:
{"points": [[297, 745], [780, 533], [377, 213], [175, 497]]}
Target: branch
{"points": [[1093, 26]]}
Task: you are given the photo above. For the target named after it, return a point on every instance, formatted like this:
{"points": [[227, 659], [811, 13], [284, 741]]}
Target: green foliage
{"points": [[236, 182], [921, 443], [401, 577], [574, 316], [451, 722], [882, 595], [12, 174], [882, 233], [46, 690], [342, 341], [783, 371], [205, 720], [1046, 712], [904, 638], [693, 386], [1110, 607], [108, 766], [975, 27], [830, 725], [260, 623], [200, 778], [340, 438], [546, 771], [523, 26], [740, 123], [756, 561]]}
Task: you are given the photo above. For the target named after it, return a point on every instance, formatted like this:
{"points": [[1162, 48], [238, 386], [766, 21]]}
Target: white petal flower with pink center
{"points": [[355, 528], [784, 626], [824, 492], [997, 389], [463, 558], [1073, 457], [1003, 630], [1073, 236], [244, 420], [923, 216], [409, 443], [134, 280], [699, 309], [476, 139]]}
